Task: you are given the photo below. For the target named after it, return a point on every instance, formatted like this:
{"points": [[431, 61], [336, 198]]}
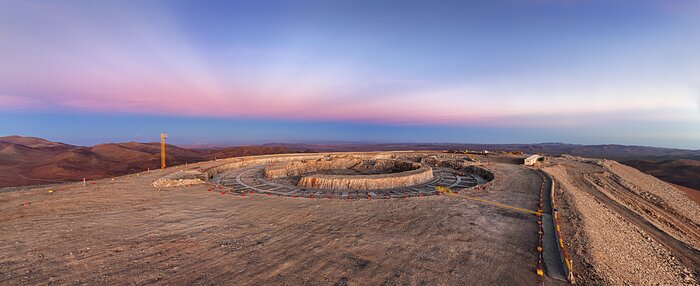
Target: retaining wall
{"points": [[368, 182], [357, 163]]}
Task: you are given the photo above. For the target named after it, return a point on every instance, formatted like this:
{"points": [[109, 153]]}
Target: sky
{"points": [[248, 72]]}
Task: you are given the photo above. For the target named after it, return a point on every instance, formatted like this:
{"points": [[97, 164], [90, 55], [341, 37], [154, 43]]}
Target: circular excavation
{"points": [[351, 173], [350, 176]]}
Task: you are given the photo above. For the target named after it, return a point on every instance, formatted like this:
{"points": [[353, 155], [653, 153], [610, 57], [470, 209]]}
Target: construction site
{"points": [[338, 143], [356, 218]]}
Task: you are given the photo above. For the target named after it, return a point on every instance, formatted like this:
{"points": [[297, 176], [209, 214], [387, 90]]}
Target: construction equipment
{"points": [[163, 136]]}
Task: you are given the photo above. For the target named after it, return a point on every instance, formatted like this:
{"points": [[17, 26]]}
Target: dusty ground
{"points": [[694, 195], [624, 227], [620, 228], [125, 231]]}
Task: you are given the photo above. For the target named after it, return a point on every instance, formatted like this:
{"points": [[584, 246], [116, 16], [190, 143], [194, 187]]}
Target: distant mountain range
{"points": [[611, 151], [30, 160]]}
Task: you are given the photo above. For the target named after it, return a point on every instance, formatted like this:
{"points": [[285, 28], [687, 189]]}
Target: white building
{"points": [[529, 161]]}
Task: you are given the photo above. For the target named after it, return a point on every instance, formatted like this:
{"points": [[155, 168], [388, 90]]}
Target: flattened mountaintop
{"points": [[127, 231]]}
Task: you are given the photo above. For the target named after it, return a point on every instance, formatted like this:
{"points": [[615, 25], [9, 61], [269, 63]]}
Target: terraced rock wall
{"points": [[297, 168], [484, 173], [362, 164], [368, 182]]}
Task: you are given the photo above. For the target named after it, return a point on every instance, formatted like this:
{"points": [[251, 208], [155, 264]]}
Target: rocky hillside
{"points": [[681, 172]]}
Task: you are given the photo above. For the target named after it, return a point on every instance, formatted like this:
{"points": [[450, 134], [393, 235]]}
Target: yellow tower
{"points": [[163, 136]]}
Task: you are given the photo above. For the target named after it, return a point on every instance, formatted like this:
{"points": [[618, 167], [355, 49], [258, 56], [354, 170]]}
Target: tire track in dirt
{"points": [[665, 216], [686, 254]]}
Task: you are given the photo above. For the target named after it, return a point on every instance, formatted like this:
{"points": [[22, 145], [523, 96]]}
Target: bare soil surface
{"points": [[694, 195], [682, 172], [624, 227], [125, 231], [620, 227]]}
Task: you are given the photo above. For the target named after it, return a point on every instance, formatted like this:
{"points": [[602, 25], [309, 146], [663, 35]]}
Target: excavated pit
{"points": [[351, 173], [359, 175]]}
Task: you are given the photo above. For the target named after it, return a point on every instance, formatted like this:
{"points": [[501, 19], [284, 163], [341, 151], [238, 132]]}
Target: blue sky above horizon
{"points": [[239, 72]]}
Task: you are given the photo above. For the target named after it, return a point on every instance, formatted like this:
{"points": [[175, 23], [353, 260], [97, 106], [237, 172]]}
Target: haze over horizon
{"points": [[584, 72]]}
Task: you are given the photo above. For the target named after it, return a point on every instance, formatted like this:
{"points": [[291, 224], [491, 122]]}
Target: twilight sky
{"points": [[500, 71]]}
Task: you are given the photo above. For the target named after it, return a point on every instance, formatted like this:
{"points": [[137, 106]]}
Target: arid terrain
{"points": [[350, 143], [33, 161], [127, 231], [682, 172], [625, 227], [619, 225]]}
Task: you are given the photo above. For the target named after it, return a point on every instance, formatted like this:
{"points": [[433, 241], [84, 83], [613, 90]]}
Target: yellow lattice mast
{"points": [[163, 136]]}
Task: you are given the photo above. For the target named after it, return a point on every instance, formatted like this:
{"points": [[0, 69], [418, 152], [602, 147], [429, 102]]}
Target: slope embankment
{"points": [[624, 225]]}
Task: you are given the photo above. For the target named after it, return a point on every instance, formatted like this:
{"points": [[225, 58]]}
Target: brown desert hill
{"points": [[30, 160], [32, 142], [682, 172], [14, 154], [125, 153]]}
